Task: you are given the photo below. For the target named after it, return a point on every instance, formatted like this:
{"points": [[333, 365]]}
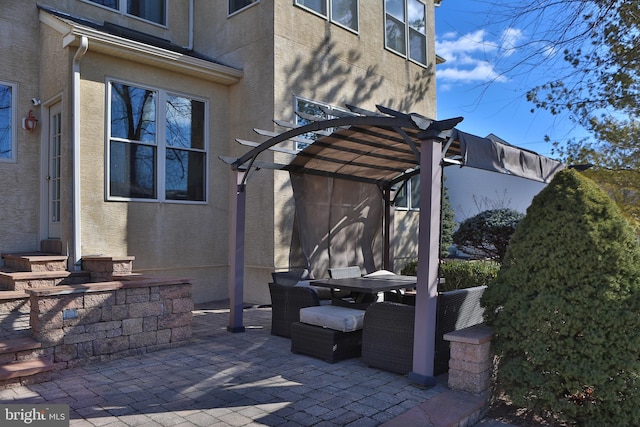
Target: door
{"points": [[53, 175]]}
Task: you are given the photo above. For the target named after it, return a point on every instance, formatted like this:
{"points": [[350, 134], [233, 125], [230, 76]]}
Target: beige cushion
{"points": [[334, 317]]}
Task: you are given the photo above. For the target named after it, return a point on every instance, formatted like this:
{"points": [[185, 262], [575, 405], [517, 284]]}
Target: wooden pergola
{"points": [[384, 148]]}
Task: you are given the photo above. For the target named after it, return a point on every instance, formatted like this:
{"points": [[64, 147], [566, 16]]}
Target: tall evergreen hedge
{"points": [[565, 308]]}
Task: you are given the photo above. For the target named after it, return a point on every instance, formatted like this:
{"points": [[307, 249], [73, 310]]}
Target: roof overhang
{"points": [[73, 30]]}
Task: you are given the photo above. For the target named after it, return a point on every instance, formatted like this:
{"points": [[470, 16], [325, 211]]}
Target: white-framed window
{"points": [[149, 10], [408, 196], [238, 5], [157, 145], [313, 108], [341, 12], [406, 29], [7, 122]]}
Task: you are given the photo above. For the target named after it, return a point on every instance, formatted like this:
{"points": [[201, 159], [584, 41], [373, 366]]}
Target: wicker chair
{"points": [[387, 334], [387, 337], [286, 302]]}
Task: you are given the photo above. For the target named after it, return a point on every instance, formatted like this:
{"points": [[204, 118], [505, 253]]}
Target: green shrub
{"points": [[487, 233], [565, 308], [410, 268], [467, 274], [460, 274]]}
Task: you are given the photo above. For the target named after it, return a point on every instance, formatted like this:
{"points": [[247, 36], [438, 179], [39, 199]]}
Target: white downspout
{"points": [[75, 89], [191, 29]]}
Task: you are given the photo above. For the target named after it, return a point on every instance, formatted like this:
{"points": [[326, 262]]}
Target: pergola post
{"points": [[236, 261], [428, 260], [388, 256]]}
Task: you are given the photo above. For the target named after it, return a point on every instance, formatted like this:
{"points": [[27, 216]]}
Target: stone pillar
{"points": [[104, 268], [471, 360]]}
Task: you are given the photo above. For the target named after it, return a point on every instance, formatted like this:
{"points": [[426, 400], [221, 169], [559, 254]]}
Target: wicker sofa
{"points": [[387, 335]]}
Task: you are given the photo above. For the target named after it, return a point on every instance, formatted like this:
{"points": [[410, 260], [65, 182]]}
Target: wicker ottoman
{"points": [[323, 343]]}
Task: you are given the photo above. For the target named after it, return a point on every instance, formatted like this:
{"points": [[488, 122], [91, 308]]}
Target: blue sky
{"points": [[479, 46]]}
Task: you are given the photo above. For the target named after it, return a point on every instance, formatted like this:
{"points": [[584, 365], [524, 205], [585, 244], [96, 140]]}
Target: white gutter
{"points": [[75, 93]]}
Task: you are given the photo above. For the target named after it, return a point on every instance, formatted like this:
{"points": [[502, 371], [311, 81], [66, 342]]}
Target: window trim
{"points": [[122, 10], [242, 9], [407, 33], [327, 17], [161, 148], [13, 121]]}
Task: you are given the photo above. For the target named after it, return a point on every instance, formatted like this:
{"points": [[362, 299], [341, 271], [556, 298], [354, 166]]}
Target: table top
{"points": [[371, 285]]}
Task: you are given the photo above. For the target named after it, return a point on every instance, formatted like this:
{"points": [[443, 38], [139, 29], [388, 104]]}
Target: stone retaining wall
{"points": [[77, 324]]}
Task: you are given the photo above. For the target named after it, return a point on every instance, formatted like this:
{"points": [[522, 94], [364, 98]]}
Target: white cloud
{"points": [[509, 40], [481, 72], [471, 57]]}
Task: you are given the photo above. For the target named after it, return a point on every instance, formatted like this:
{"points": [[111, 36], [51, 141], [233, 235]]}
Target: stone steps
{"points": [[38, 270], [22, 363], [35, 261], [21, 280], [22, 358]]}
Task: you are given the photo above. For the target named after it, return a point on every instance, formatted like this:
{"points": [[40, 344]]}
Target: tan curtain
{"points": [[339, 223]]}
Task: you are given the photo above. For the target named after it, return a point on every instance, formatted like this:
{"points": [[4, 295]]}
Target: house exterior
{"points": [[113, 115]]}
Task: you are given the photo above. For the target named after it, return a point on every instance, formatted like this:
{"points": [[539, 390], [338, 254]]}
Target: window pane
{"points": [[185, 175], [185, 122], [415, 192], [345, 12], [418, 47], [401, 196], [151, 10], [133, 113], [395, 35], [417, 32], [319, 6], [6, 114], [108, 3], [417, 16], [395, 8], [310, 108], [236, 5], [132, 170]]}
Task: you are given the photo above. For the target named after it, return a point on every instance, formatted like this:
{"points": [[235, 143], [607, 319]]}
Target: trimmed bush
{"points": [[565, 308], [460, 274], [488, 233], [467, 274]]}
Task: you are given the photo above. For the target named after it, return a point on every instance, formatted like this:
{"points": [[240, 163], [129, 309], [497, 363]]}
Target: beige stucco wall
{"points": [[245, 40], [166, 238], [19, 180]]}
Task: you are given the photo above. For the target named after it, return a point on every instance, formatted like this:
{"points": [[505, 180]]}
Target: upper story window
{"points": [[312, 108], [7, 122], [341, 12], [405, 29], [151, 10], [236, 5], [408, 196], [157, 145]]}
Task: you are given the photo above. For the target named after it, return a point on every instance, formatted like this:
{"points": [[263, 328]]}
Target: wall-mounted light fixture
{"points": [[30, 122]]}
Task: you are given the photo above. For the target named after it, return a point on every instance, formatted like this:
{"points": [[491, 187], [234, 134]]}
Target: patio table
{"points": [[366, 288]]}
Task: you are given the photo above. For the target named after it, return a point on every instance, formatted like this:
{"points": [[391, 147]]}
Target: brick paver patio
{"points": [[224, 379]]}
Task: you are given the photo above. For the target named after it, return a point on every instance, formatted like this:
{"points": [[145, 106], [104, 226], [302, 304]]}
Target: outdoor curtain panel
{"points": [[339, 223]]}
